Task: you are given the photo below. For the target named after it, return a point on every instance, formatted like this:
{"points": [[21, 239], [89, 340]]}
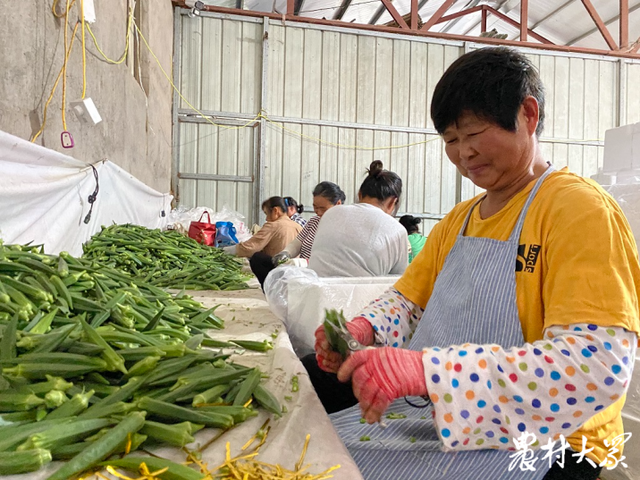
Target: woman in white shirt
{"points": [[363, 240]]}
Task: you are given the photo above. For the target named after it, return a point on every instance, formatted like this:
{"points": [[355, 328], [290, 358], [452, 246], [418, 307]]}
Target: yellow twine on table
{"points": [[144, 470]]}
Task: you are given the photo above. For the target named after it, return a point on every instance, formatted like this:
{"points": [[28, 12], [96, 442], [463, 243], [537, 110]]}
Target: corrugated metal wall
{"points": [[328, 89]]}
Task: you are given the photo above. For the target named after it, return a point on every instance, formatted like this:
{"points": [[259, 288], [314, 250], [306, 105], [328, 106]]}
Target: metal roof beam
{"points": [[449, 26], [593, 13], [381, 9], [511, 21], [394, 13], [524, 19], [342, 9], [497, 8], [624, 24], [594, 30], [436, 16]]}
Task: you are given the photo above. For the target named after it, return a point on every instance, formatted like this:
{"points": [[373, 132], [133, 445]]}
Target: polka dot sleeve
{"points": [[393, 317], [484, 396]]}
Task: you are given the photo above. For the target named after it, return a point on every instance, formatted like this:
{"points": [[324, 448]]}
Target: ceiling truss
{"points": [[411, 23]]}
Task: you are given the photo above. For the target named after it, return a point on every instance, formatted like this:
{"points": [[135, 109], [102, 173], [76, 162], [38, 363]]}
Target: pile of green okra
{"points": [[165, 259], [94, 364]]}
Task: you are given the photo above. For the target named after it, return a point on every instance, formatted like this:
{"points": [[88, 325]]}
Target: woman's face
{"points": [[491, 157], [321, 205], [273, 214], [291, 211]]}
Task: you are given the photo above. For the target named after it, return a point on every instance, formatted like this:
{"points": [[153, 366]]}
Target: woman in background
{"points": [[325, 196], [416, 241], [363, 240], [294, 211], [274, 235]]}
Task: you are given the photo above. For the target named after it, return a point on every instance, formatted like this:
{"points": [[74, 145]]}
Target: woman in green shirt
{"points": [[416, 240]]}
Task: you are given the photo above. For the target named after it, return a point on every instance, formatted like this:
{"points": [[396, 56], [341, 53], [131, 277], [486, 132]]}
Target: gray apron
{"points": [[473, 301]]}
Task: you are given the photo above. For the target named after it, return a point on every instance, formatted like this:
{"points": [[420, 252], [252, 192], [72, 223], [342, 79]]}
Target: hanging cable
{"points": [[64, 70], [55, 86], [84, 52], [92, 198], [126, 46], [53, 8]]}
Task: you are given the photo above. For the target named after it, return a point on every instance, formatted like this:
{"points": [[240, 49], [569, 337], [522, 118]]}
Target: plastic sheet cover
{"points": [[44, 197], [627, 195]]}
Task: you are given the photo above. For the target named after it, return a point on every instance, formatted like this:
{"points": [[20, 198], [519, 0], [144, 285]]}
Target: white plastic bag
{"points": [[299, 298]]}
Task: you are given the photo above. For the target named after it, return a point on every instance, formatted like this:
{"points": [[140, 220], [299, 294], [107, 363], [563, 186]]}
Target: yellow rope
{"points": [[126, 46], [53, 90], [84, 52], [265, 117], [64, 70]]}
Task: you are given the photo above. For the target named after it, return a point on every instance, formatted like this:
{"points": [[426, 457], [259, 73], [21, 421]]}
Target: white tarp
{"points": [[44, 197]]}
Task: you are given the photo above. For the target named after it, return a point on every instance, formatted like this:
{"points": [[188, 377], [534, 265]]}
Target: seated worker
{"points": [[539, 353], [325, 196], [274, 235], [363, 240], [294, 211], [416, 241]]}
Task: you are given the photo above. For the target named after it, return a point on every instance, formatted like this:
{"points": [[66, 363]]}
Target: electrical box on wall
{"points": [[89, 11], [86, 111]]}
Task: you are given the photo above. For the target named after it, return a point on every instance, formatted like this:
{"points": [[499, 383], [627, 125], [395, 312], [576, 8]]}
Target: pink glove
{"points": [[330, 361], [381, 375]]}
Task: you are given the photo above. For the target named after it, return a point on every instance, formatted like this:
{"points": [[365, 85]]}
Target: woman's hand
{"points": [[381, 375], [329, 360]]}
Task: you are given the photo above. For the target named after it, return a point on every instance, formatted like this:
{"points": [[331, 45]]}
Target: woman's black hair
{"points": [[410, 223], [491, 83], [290, 202], [274, 202], [330, 191], [381, 183]]}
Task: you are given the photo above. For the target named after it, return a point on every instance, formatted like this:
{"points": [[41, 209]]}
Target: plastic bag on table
{"points": [[225, 235], [298, 297]]}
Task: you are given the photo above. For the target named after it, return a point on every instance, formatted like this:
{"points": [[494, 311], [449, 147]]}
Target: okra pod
{"points": [[12, 436], [11, 401], [12, 463], [71, 408], [8, 342], [101, 448], [208, 395], [175, 412], [102, 411], [114, 361], [247, 386], [178, 434], [64, 434], [254, 345], [267, 400]]}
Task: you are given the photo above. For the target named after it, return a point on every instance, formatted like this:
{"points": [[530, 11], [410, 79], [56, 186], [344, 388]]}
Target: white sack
{"points": [[44, 197], [298, 297]]}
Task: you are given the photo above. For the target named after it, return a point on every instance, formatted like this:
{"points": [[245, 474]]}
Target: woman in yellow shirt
{"points": [[518, 322]]}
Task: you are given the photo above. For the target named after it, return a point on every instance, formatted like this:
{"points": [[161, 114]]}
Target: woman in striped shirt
{"points": [[325, 196]]}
